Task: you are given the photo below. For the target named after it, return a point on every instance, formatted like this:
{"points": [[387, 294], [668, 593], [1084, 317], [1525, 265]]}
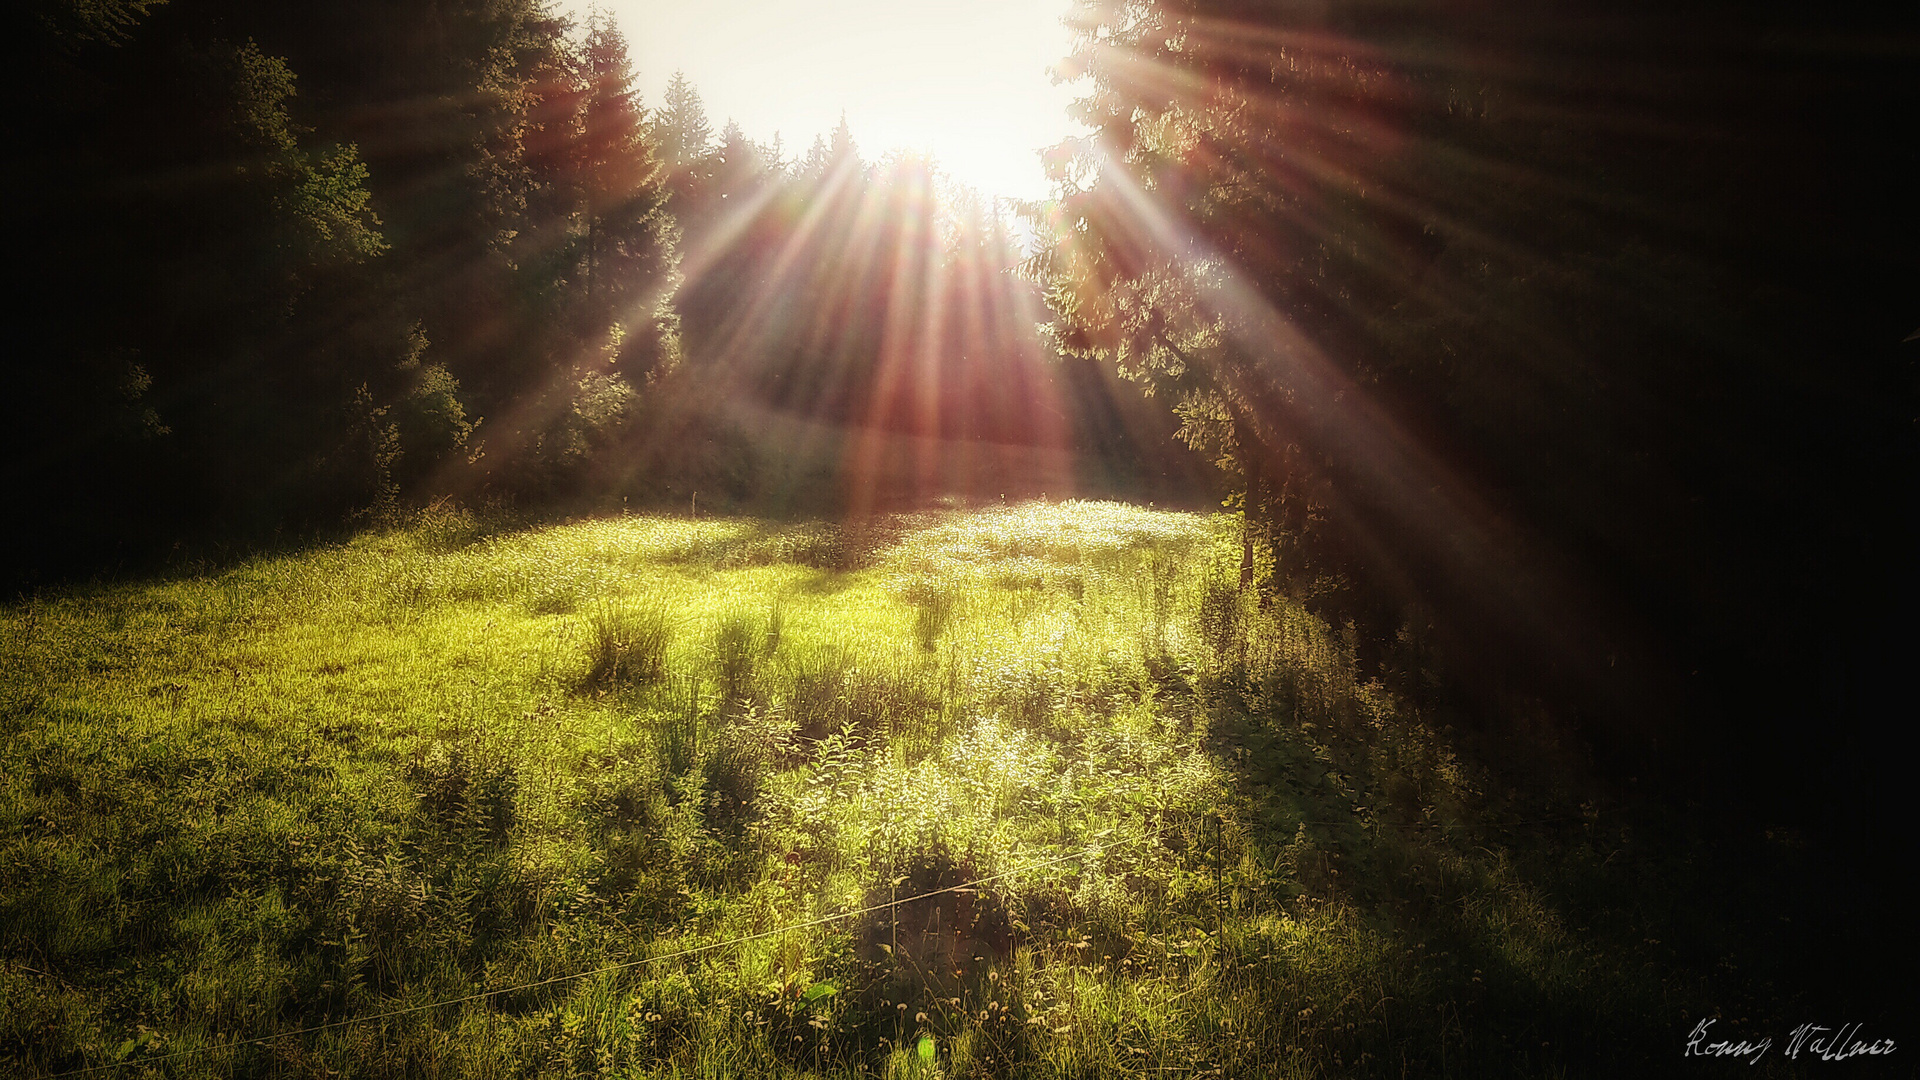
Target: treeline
{"points": [[286, 268], [1568, 342], [865, 321]]}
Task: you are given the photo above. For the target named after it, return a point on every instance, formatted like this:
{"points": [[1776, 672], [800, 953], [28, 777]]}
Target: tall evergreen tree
{"points": [[817, 158], [682, 129], [248, 325], [840, 145], [614, 170]]}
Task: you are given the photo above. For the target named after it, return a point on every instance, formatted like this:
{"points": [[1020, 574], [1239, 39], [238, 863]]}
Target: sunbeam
{"points": [[967, 84]]}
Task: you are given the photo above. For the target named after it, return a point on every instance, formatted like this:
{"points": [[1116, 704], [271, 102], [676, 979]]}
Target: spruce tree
{"points": [[682, 129]]}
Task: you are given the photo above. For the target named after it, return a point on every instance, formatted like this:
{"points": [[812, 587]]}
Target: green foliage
{"points": [[334, 208], [463, 789], [1455, 359], [92, 21], [740, 642], [431, 419], [679, 736], [933, 610], [683, 131]]}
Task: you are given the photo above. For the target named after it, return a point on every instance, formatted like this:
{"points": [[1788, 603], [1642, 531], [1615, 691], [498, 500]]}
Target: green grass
{"points": [[439, 762]]}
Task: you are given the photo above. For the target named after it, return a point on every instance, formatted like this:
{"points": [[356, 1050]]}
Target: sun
{"points": [[968, 83]]}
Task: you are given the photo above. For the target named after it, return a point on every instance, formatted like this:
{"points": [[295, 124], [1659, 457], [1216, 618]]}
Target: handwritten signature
{"points": [[1824, 1043]]}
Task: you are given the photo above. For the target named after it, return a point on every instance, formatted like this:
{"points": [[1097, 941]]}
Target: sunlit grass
{"points": [[445, 760]]}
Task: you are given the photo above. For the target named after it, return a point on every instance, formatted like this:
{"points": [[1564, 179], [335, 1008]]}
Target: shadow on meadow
{"points": [[1017, 792]]}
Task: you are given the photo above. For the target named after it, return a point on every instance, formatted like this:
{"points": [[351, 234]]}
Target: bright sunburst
{"points": [[967, 82]]}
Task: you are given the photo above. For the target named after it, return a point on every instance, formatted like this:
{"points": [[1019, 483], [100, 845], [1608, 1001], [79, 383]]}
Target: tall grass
{"points": [[1169, 830], [628, 646], [741, 641]]}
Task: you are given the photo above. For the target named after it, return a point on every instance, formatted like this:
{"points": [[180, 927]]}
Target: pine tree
{"points": [[682, 129], [736, 158], [841, 146], [614, 164], [733, 143], [817, 159]]}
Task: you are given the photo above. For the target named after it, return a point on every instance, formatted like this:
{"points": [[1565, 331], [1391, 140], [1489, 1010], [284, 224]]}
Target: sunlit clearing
{"points": [[968, 83]]}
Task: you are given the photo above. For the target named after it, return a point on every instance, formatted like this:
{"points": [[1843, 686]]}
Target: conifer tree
{"points": [[818, 157], [615, 170], [841, 146], [682, 127]]}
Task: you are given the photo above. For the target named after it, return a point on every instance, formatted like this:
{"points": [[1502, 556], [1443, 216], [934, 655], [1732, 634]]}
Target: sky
{"points": [[967, 81]]}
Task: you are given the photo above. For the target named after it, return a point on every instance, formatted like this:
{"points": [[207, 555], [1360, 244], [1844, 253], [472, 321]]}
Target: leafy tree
{"points": [[1211, 252], [199, 251], [89, 21]]}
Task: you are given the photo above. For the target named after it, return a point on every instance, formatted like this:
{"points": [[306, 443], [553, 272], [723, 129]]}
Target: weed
{"points": [[740, 642], [678, 733], [816, 684], [1219, 616], [627, 647], [464, 790], [933, 610], [734, 773]]}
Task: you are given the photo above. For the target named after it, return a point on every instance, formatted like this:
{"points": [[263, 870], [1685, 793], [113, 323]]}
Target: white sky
{"points": [[965, 80]]}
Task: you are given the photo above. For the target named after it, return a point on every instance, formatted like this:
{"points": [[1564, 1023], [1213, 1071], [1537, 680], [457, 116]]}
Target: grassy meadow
{"points": [[641, 796]]}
